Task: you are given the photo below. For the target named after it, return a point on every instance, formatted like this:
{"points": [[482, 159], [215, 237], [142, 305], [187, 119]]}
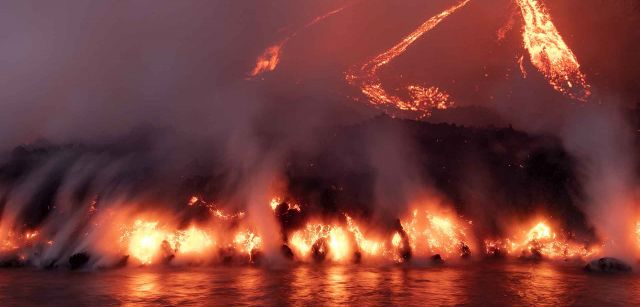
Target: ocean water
{"points": [[481, 283]]}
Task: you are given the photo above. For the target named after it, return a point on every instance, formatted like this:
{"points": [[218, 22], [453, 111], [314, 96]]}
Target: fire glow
{"points": [[427, 233], [539, 241]]}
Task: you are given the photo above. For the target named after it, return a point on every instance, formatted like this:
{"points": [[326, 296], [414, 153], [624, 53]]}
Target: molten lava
{"points": [[247, 242], [268, 61], [270, 57], [431, 234], [192, 240], [549, 53], [320, 240], [539, 241], [145, 241], [366, 246], [424, 100]]}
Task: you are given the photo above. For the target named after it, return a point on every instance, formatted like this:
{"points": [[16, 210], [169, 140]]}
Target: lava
{"points": [[431, 234], [275, 202], [320, 240], [145, 240], [247, 242], [366, 246], [424, 99], [537, 242], [549, 53], [192, 240], [270, 58]]}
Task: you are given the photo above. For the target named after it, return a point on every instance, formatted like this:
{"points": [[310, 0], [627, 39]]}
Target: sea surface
{"points": [[487, 284]]}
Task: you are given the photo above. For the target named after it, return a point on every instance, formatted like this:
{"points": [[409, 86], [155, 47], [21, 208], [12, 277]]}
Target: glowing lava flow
{"points": [[424, 100], [321, 240], [145, 241], [366, 246], [539, 241], [436, 234], [270, 57], [549, 53]]}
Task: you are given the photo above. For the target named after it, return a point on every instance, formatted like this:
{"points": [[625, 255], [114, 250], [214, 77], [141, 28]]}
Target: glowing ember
{"points": [[549, 53], [275, 202], [31, 235], [424, 99], [193, 201]]}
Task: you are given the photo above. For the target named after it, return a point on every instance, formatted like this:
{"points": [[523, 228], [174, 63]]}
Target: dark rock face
{"points": [[404, 250], [11, 262], [79, 260], [607, 265], [286, 251]]}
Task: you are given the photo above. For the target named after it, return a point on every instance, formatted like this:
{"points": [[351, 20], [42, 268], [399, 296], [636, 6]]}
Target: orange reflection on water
{"points": [[541, 284], [337, 284], [143, 287]]}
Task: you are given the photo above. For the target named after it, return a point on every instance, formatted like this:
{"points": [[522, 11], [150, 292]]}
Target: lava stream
{"points": [[549, 53], [270, 58], [424, 100]]}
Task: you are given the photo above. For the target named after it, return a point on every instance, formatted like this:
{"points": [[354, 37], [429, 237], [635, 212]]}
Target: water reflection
{"points": [[337, 284], [521, 284], [543, 284], [142, 287]]}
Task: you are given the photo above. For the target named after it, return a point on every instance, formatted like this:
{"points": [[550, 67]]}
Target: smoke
{"points": [[600, 136]]}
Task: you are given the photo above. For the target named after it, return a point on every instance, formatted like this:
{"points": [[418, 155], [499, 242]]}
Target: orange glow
{"points": [[549, 53], [268, 61], [396, 240], [431, 234], [270, 58], [193, 200], [539, 240], [366, 246], [424, 100], [192, 240], [247, 242], [30, 235], [275, 202], [302, 241], [145, 241]]}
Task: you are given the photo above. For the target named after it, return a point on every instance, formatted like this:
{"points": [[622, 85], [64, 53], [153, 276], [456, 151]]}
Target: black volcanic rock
{"points": [[286, 251], [79, 260], [607, 265], [437, 259]]}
